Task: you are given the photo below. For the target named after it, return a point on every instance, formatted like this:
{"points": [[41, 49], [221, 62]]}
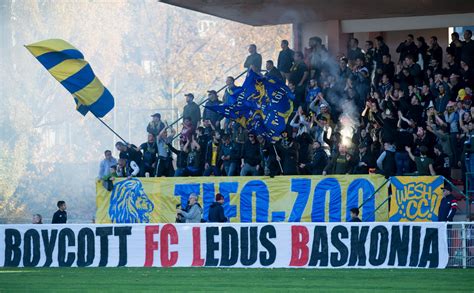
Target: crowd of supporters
{"points": [[407, 112]]}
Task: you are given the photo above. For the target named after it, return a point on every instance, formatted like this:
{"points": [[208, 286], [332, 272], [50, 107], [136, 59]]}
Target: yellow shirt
{"points": [[214, 155]]}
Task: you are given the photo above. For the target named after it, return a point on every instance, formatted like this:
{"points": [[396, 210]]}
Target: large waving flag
{"points": [[67, 65], [262, 105]]}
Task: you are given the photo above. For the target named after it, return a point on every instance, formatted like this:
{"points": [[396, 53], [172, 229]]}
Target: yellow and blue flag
{"points": [[262, 105], [67, 65]]}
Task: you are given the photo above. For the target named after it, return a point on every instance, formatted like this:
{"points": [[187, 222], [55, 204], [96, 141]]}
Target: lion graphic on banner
{"points": [[129, 203]]}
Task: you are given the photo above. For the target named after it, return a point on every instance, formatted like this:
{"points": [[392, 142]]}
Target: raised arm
{"points": [[408, 149]]}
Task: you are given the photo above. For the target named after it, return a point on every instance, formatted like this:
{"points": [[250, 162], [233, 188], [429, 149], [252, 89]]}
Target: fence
{"points": [[461, 245]]}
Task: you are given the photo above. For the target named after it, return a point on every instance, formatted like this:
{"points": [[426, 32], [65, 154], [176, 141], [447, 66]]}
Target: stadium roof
{"points": [[271, 12]]}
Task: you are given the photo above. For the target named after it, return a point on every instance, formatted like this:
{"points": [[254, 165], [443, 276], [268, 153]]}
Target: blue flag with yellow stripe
{"points": [[262, 105], [67, 65]]}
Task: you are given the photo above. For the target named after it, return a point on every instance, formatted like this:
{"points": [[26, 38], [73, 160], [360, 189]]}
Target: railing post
{"points": [[375, 192], [464, 245], [468, 195], [202, 103]]}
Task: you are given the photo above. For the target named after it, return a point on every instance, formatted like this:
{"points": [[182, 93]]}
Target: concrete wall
{"points": [[394, 38], [407, 23], [311, 29], [325, 30], [335, 33]]}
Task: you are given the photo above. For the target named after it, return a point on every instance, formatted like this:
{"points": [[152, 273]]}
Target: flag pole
{"points": [[279, 163], [113, 131]]}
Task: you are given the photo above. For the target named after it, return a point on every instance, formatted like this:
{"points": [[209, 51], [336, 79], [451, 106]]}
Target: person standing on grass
{"points": [[355, 215], [216, 211], [60, 216], [448, 206]]}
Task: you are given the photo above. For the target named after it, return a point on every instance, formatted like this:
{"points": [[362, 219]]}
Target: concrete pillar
{"points": [[297, 37], [337, 40]]}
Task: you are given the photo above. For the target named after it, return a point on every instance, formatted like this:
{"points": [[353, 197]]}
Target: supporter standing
{"points": [[250, 156], [229, 153], [191, 110], [406, 48], [150, 151], [365, 160], [298, 76], [181, 157], [212, 156], [210, 115], [60, 216], [448, 206], [318, 161], [165, 161], [155, 126], [467, 54], [455, 47], [254, 60], [355, 215], [386, 161], [341, 163], [106, 163], [423, 57], [289, 154], [424, 164], [381, 49], [216, 211], [194, 166], [285, 59], [435, 51], [273, 72], [353, 50], [316, 57]]}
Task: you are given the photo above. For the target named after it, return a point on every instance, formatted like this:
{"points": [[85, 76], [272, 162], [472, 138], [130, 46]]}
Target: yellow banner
{"points": [[247, 199], [416, 198]]}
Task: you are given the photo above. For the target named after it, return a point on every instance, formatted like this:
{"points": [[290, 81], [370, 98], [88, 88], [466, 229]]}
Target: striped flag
{"points": [[67, 65]]}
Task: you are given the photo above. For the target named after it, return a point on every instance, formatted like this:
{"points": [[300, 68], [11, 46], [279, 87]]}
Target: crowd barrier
{"points": [[252, 245], [461, 244]]}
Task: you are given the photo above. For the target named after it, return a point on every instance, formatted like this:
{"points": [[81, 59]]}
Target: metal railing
{"points": [[203, 101], [461, 245], [469, 184]]}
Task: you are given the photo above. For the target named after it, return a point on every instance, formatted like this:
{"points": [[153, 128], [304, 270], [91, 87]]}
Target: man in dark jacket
{"points": [[318, 162], [216, 211], [355, 215], [386, 161], [285, 59], [408, 47], [365, 160], [192, 110], [213, 117], [448, 206], [250, 157], [273, 72], [60, 216]]}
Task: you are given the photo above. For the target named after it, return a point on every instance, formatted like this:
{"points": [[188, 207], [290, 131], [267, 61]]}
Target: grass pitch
{"points": [[233, 280]]}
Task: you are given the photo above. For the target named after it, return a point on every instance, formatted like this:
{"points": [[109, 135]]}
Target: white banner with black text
{"points": [[253, 245]]}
